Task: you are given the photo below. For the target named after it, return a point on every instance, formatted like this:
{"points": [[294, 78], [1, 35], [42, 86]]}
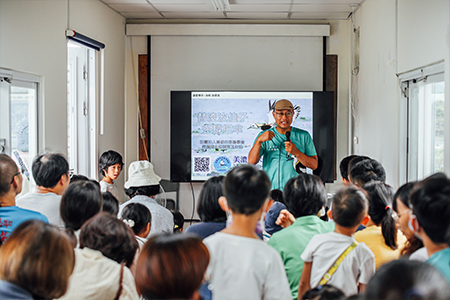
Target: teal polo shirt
{"points": [[441, 261], [290, 242], [275, 162]]}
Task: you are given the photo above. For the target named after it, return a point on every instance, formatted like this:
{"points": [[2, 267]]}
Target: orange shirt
{"points": [[373, 238]]}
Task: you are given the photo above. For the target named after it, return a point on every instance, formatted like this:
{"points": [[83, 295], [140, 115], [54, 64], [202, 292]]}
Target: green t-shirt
{"points": [[275, 158], [290, 242]]}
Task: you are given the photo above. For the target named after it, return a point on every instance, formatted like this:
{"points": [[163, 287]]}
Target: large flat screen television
{"points": [[213, 131]]}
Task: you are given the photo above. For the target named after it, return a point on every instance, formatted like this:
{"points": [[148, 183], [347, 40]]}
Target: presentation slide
{"points": [[225, 125]]}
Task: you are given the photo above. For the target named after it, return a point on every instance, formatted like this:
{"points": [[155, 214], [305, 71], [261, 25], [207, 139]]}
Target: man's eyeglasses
{"points": [[21, 172], [287, 114]]}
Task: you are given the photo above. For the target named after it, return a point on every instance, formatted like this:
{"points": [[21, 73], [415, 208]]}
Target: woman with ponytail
{"points": [[381, 234]]}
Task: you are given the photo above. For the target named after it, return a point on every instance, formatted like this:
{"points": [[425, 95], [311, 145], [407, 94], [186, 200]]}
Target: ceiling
{"points": [[151, 10]]}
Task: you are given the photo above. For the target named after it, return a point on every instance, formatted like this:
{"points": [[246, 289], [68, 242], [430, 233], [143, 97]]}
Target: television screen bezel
{"points": [[324, 134]]}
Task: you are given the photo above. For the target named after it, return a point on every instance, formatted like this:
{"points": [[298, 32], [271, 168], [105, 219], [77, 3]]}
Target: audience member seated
{"points": [[276, 197], [110, 204], [242, 266], [305, 196], [353, 162], [381, 234], [431, 207], [366, 171], [36, 262], [343, 168], [81, 201], [178, 221], [51, 173], [110, 166], [213, 217], [12, 216], [142, 187], [414, 248], [171, 267], [326, 292], [107, 249], [138, 218], [407, 279], [77, 177], [335, 257]]}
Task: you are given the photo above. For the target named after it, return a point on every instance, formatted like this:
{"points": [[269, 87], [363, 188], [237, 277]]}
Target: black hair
{"points": [[431, 205], [7, 170], [380, 211], [277, 195], [408, 280], [208, 208], [48, 168], [349, 207], [77, 177], [110, 204], [304, 195], [343, 166], [80, 201], [107, 159], [326, 292], [147, 190], [178, 221], [353, 162], [403, 194], [111, 237], [367, 170], [139, 214], [246, 189]]}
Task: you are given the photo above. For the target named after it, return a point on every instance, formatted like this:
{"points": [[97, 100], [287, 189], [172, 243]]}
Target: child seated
{"points": [[324, 251], [242, 266], [138, 218], [110, 204]]}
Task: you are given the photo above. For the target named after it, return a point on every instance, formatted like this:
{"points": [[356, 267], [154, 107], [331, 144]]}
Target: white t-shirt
{"points": [[107, 187], [97, 277], [419, 255], [357, 267], [245, 268], [47, 204]]}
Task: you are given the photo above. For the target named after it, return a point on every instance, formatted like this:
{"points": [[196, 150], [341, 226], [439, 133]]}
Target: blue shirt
{"points": [[272, 216], [10, 290], [275, 158], [441, 261], [13, 216], [205, 229]]}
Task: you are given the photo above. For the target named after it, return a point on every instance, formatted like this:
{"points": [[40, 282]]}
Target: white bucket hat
{"points": [[140, 173]]}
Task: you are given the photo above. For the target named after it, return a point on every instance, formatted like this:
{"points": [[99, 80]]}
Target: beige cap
{"points": [[283, 104], [140, 173]]}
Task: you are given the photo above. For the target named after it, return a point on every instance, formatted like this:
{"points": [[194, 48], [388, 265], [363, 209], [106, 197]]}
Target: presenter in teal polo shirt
{"points": [[277, 149]]}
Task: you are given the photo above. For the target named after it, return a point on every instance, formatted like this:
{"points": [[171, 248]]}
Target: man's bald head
{"points": [[8, 169]]}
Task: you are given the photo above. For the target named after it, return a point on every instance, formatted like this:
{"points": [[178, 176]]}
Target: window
{"points": [[19, 115], [425, 102]]}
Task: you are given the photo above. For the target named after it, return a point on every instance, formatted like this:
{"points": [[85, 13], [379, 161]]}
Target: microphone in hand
{"points": [[288, 139]]}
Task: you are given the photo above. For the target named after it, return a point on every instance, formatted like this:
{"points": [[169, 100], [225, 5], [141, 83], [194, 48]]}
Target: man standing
{"points": [[51, 173], [12, 216], [276, 147]]}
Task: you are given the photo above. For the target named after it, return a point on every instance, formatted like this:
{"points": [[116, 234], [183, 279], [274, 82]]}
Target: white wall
{"points": [[32, 39], [337, 43], [412, 34]]}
